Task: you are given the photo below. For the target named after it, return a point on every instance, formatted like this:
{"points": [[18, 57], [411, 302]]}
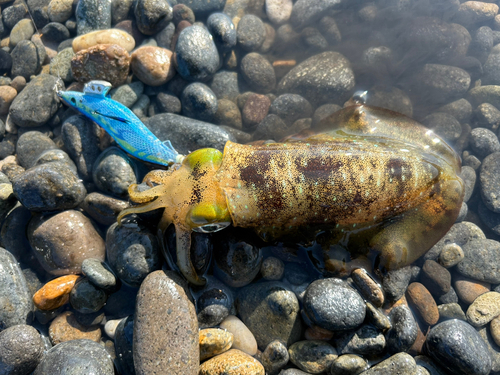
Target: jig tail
{"points": [[120, 123]]}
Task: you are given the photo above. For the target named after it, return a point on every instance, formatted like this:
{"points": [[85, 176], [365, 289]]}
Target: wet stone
{"points": [[196, 60], [152, 16], [457, 346], [21, 349], [484, 309], [102, 208], [471, 13], [113, 172], [225, 85], [109, 62], [22, 31], [36, 104], [199, 102], [48, 187], [86, 298], [78, 357], [423, 302], [152, 65], [214, 303], [468, 290], [368, 287], [258, 73], [132, 253], [486, 116], [109, 36], [7, 95], [495, 329], [186, 133], [488, 177], [255, 110], [333, 305], [444, 125], [366, 340], [14, 292], [214, 341], [13, 14], [271, 312], [124, 346], [232, 362], [451, 255], [469, 177], [182, 12], [55, 32], [291, 107], [251, 32], [243, 338], [54, 156], [395, 282], [60, 10], [275, 357], [62, 241], [312, 356], [128, 94], [322, 78], [272, 127], [483, 142], [60, 65], [93, 15], [404, 330], [66, 328], [223, 31], [377, 317], [401, 364], [169, 103], [90, 319], [461, 109], [5, 62], [228, 114], [459, 234], [482, 260], [435, 277], [99, 274], [30, 145], [348, 364], [272, 269], [450, 311], [165, 321], [55, 293]]}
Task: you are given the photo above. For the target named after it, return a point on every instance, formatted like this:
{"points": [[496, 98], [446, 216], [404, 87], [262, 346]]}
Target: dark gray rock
{"points": [[199, 102], [444, 125], [272, 127], [323, 78], [270, 310], [197, 55], [13, 234], [14, 293], [313, 39], [469, 176], [275, 357], [461, 109], [395, 282], [86, 298], [366, 340], [456, 345], [132, 253], [489, 177], [290, 108], [333, 305], [225, 85], [30, 145], [486, 116], [483, 142], [187, 134], [49, 187], [55, 32], [124, 336], [491, 67], [77, 357], [306, 12], [152, 15], [203, 7], [168, 103], [489, 218], [182, 12], [228, 114], [164, 37], [90, 319], [481, 261], [53, 156], [214, 303], [314, 356], [5, 62], [251, 32], [450, 297], [121, 303], [398, 364], [13, 14], [102, 208], [21, 349], [481, 44], [27, 59], [37, 103], [223, 31], [100, 274], [435, 278], [165, 322], [258, 73], [113, 172], [459, 234], [450, 311], [403, 333], [92, 15]]}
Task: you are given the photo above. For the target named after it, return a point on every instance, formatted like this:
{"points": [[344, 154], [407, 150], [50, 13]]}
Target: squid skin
{"points": [[367, 173]]}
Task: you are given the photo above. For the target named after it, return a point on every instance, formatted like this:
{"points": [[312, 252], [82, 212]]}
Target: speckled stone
{"points": [[60, 10], [199, 102], [7, 95], [484, 309], [113, 172], [495, 329], [272, 269], [232, 362], [457, 346], [100, 274], [367, 340], [214, 341], [66, 328], [251, 32], [449, 311], [451, 255], [21, 349], [92, 15], [271, 311], [348, 364], [333, 305], [401, 364], [152, 16], [109, 36], [255, 110], [124, 345], [468, 289], [258, 73], [377, 317], [132, 253], [152, 65], [55, 293], [108, 62], [30, 145], [223, 31], [228, 114], [404, 330], [243, 338], [423, 302], [368, 287], [275, 357], [78, 357], [165, 322], [481, 261], [102, 208], [313, 356], [62, 241]]}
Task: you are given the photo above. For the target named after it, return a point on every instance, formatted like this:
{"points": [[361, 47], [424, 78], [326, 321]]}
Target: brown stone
{"points": [[152, 65], [468, 290], [66, 328], [232, 362], [7, 95], [318, 333], [108, 36], [255, 109], [55, 293], [435, 277], [214, 341], [423, 302], [109, 62], [368, 287]]}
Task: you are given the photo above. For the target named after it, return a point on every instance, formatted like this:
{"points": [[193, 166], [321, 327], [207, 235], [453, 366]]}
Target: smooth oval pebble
{"points": [[76, 357], [110, 327], [7, 95], [348, 364], [100, 274], [86, 298], [423, 302], [152, 65], [21, 349], [165, 322], [109, 36], [275, 357], [484, 309], [232, 362], [401, 363], [368, 287], [457, 346], [55, 293], [214, 341], [243, 339], [66, 328], [313, 356]]}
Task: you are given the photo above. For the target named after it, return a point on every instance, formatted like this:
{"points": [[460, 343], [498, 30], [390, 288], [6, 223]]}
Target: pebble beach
{"points": [[81, 294]]}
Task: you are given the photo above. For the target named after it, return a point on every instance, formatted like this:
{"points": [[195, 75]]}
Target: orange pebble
{"points": [[55, 293]]}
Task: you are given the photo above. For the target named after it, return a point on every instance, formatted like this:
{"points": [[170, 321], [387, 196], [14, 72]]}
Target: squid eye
{"points": [[209, 228]]}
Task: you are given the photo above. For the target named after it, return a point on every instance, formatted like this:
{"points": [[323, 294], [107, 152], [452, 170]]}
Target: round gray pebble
{"points": [[404, 330], [291, 107], [30, 145], [99, 274], [86, 298], [251, 32], [92, 15], [275, 357], [199, 102], [258, 73], [21, 349], [483, 142], [223, 31]]}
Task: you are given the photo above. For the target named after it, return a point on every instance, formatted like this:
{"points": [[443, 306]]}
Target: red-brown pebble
{"points": [[368, 287], [7, 95], [232, 362], [153, 65], [108, 62], [423, 303], [55, 293], [468, 290], [255, 109], [66, 328]]}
